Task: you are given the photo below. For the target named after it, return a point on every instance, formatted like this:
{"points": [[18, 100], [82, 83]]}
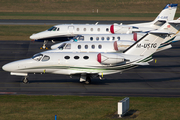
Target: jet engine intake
{"points": [[109, 58], [122, 45], [115, 28]]}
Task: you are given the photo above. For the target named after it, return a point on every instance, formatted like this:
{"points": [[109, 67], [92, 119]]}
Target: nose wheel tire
{"points": [[25, 80]]}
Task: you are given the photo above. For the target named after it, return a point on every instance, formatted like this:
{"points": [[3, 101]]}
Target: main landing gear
{"points": [[86, 79]]}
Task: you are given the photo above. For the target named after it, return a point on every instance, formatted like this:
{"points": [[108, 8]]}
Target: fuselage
{"points": [[69, 64]]}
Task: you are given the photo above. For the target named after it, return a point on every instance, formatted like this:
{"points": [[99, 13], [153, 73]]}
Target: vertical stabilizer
{"points": [[167, 14], [147, 45]]}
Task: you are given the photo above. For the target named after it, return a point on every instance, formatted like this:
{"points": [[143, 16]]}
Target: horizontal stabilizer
{"points": [[174, 22], [160, 32]]}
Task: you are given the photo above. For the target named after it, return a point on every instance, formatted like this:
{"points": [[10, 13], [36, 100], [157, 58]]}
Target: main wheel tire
{"points": [[88, 80]]}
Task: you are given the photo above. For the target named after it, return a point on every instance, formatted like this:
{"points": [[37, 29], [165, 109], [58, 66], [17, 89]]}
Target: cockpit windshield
{"points": [[45, 58], [37, 57], [62, 46], [78, 37], [53, 29]]}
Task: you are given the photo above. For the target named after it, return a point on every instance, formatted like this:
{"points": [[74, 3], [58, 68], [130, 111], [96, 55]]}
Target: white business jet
{"points": [[101, 39], [64, 32], [112, 43], [92, 64]]}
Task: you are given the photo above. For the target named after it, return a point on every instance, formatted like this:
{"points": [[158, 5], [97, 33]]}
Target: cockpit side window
{"points": [[37, 57], [45, 58], [68, 46], [78, 37], [51, 28], [54, 28], [81, 37], [62, 46]]}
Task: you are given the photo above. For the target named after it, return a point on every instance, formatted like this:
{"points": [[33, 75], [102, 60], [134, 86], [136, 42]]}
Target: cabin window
{"points": [[99, 46], [91, 29], [68, 46], [76, 57], [84, 29], [98, 29], [102, 38], [67, 57], [77, 29], [86, 46], [118, 38], [91, 38], [93, 46], [37, 57], [79, 46], [58, 29], [107, 38], [97, 38], [86, 57], [113, 38], [107, 29], [45, 58]]}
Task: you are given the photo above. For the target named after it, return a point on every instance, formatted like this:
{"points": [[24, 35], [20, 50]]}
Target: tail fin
{"points": [[167, 14], [172, 27], [147, 45]]}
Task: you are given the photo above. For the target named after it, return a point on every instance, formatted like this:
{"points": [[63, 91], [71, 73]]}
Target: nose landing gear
{"points": [[25, 80], [44, 45]]}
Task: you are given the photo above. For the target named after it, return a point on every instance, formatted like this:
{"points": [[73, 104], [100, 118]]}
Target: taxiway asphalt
{"points": [[160, 79], [55, 22]]}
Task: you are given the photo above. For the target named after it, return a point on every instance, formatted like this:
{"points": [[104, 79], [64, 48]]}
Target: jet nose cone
{"points": [[34, 36], [7, 67]]}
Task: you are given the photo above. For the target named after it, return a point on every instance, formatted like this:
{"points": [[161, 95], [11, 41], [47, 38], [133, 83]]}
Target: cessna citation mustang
{"points": [[101, 38], [92, 64], [64, 32]]}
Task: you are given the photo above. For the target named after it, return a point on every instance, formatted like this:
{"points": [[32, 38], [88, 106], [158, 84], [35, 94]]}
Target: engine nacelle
{"points": [[109, 58], [115, 28], [122, 45]]}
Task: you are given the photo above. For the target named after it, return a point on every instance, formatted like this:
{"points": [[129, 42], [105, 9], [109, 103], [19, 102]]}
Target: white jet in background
{"points": [[64, 32]]}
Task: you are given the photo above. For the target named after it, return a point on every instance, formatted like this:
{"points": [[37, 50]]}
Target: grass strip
{"points": [[20, 107], [20, 32], [78, 16]]}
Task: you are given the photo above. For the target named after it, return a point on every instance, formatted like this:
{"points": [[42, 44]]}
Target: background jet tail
{"points": [[167, 14]]}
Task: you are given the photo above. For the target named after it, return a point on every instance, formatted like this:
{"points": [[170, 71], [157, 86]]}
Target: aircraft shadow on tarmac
{"points": [[101, 82]]}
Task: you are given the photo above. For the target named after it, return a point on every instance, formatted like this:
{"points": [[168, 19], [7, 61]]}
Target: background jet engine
{"points": [[122, 45], [109, 58], [115, 28]]}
